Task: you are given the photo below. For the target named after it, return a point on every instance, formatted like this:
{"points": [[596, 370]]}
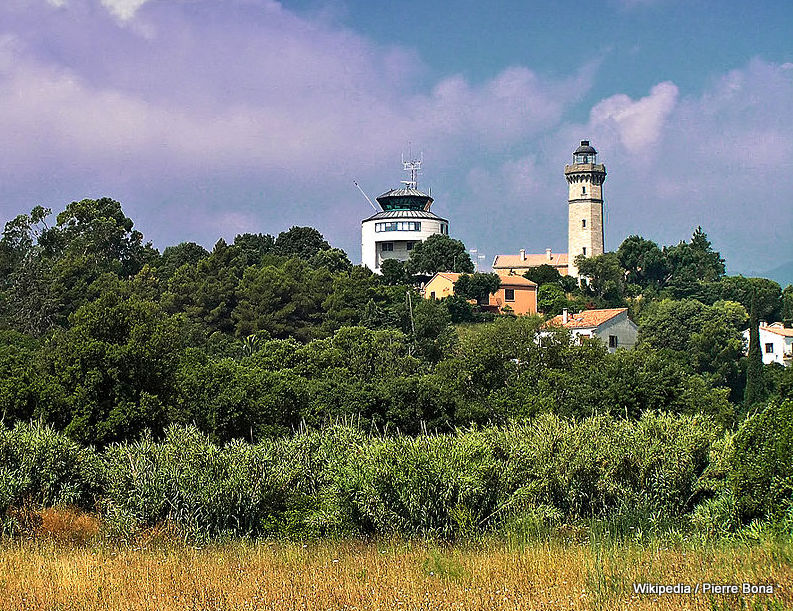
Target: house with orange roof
{"points": [[776, 343], [516, 294], [611, 325]]}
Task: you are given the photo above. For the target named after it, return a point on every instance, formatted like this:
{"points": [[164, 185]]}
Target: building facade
{"points": [[519, 263], [776, 343], [404, 220], [611, 325], [517, 295]]}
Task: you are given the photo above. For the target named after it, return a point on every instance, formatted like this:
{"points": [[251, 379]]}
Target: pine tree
{"points": [[755, 388]]}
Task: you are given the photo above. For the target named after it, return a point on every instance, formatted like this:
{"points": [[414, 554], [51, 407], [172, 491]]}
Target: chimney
{"points": [[548, 254], [522, 254], [565, 316]]}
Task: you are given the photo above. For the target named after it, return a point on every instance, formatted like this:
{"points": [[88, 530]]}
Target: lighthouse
{"points": [[404, 220], [585, 205]]}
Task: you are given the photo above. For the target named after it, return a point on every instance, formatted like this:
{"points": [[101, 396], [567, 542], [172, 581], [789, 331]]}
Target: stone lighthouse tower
{"points": [[585, 202]]}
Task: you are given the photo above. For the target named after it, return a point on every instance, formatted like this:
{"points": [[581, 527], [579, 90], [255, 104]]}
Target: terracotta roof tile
{"points": [[449, 275], [506, 279], [531, 260], [587, 319], [515, 280], [777, 329]]}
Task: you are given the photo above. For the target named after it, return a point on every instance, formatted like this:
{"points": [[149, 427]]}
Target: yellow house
{"points": [[516, 293]]}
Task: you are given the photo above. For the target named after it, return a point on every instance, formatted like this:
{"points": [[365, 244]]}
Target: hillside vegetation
{"points": [[270, 388]]}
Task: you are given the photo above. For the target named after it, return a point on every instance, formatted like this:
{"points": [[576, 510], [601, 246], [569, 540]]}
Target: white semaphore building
{"points": [[405, 220]]}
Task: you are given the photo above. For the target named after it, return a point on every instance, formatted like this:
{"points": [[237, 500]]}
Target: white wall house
{"points": [[776, 343], [611, 325]]}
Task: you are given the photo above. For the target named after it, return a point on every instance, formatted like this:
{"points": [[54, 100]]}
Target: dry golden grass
{"points": [[67, 525], [42, 574]]}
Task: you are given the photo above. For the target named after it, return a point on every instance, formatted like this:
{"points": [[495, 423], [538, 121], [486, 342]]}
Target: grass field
{"points": [[160, 574]]}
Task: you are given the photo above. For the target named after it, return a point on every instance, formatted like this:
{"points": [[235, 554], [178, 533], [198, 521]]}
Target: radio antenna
{"points": [[355, 182], [413, 166]]}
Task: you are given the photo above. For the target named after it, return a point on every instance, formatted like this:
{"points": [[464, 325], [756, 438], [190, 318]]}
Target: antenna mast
{"points": [[414, 167], [355, 182]]}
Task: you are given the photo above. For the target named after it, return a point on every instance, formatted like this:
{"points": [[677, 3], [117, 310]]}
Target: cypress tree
{"points": [[754, 368]]}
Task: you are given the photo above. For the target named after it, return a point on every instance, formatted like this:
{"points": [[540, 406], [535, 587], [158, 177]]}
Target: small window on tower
{"points": [[583, 251], [583, 190], [583, 223]]}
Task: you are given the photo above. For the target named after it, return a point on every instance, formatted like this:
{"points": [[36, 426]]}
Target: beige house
{"points": [[611, 325], [518, 264], [516, 293]]}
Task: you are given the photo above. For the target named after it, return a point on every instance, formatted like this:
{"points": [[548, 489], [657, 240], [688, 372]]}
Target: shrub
{"points": [[40, 467], [760, 463]]}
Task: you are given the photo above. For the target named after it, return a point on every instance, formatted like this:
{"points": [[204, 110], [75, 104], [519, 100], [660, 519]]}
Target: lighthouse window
{"points": [[583, 190], [583, 223], [584, 251], [387, 246]]}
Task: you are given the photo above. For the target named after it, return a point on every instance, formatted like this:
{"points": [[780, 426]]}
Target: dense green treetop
{"points": [[543, 274], [605, 279], [439, 253], [254, 246], [186, 253], [393, 272], [477, 286], [303, 242], [787, 303], [644, 263], [551, 299]]}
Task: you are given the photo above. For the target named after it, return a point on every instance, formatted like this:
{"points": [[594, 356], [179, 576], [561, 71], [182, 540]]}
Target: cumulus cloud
{"points": [[716, 159], [266, 89], [123, 9], [245, 89], [639, 123]]}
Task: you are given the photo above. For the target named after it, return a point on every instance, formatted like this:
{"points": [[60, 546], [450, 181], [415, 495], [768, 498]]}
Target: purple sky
{"points": [[209, 118]]}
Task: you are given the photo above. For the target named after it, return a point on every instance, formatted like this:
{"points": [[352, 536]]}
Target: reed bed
{"points": [[45, 574]]}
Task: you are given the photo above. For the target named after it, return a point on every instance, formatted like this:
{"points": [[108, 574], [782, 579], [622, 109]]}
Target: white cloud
{"points": [[639, 123], [123, 9], [272, 100]]}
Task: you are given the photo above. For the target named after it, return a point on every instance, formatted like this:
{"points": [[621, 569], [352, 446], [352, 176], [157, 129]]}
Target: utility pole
{"points": [[409, 300]]}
